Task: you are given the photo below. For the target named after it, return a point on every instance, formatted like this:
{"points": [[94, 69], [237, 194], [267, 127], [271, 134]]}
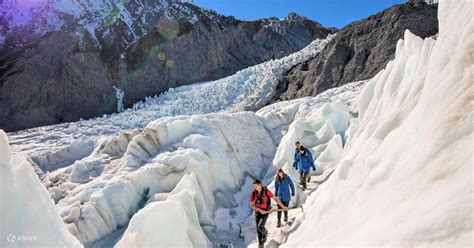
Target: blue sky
{"points": [[331, 13]]}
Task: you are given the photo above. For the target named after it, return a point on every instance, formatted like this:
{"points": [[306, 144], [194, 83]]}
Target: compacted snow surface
{"points": [[393, 155]]}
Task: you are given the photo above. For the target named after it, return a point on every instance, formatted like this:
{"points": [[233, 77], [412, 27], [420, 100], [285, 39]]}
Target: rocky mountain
{"points": [[358, 51], [61, 61]]}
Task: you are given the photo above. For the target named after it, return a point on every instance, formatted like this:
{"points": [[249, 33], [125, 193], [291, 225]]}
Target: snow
{"points": [[405, 176], [40, 17], [21, 196], [248, 87]]}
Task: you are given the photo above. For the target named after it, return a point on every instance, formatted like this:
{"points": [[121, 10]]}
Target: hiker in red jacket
{"points": [[260, 202]]}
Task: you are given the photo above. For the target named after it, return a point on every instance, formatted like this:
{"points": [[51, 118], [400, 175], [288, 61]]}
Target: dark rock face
{"points": [[53, 80], [70, 73], [358, 51]]}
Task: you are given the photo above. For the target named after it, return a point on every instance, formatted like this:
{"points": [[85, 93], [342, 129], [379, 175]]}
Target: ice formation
{"points": [[201, 164], [405, 177], [220, 149], [29, 216]]}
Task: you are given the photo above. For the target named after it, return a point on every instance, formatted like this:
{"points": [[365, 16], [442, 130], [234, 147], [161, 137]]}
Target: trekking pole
{"points": [[281, 209]]}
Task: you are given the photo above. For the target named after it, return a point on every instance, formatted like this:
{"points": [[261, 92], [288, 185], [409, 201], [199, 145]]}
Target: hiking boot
{"points": [[286, 219], [278, 224]]}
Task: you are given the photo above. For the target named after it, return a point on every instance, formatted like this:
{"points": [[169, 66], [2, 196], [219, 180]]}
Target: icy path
{"points": [[56, 146], [278, 236]]}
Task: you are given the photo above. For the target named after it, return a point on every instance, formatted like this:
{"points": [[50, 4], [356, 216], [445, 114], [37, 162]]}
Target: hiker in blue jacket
{"points": [[297, 153], [283, 185], [305, 162]]}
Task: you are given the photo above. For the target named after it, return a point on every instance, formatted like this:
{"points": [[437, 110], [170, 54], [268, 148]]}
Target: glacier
{"points": [[56, 146], [200, 163], [393, 154], [404, 175]]}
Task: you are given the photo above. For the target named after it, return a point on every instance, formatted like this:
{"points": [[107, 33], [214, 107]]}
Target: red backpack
{"points": [[261, 200]]}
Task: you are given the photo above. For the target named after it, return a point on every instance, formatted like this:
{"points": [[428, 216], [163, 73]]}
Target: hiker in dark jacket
{"points": [[260, 202], [305, 162], [283, 185]]}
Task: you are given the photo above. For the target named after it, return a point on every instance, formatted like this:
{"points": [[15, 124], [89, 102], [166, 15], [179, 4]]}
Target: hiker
{"points": [[260, 202], [305, 162], [297, 153], [296, 157], [283, 185]]}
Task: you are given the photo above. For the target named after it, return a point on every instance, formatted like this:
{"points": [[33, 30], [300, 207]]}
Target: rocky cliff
{"points": [[358, 51]]}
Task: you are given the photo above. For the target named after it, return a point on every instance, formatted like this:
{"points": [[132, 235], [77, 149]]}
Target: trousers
{"points": [[260, 220]]}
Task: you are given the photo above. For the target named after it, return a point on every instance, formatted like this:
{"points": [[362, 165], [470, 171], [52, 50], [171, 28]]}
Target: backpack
{"points": [[262, 198]]}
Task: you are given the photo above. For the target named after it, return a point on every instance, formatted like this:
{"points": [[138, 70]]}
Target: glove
{"points": [[314, 169], [292, 194]]}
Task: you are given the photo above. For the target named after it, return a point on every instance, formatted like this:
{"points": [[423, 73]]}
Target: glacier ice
{"points": [[220, 149], [29, 216], [405, 176], [181, 213], [209, 158], [55, 146]]}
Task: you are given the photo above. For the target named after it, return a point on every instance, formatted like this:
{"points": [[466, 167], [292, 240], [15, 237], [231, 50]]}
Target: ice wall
{"points": [[405, 177], [29, 216]]}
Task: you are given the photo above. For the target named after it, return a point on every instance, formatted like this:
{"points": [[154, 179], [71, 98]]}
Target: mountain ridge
{"points": [[358, 51], [170, 44]]}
